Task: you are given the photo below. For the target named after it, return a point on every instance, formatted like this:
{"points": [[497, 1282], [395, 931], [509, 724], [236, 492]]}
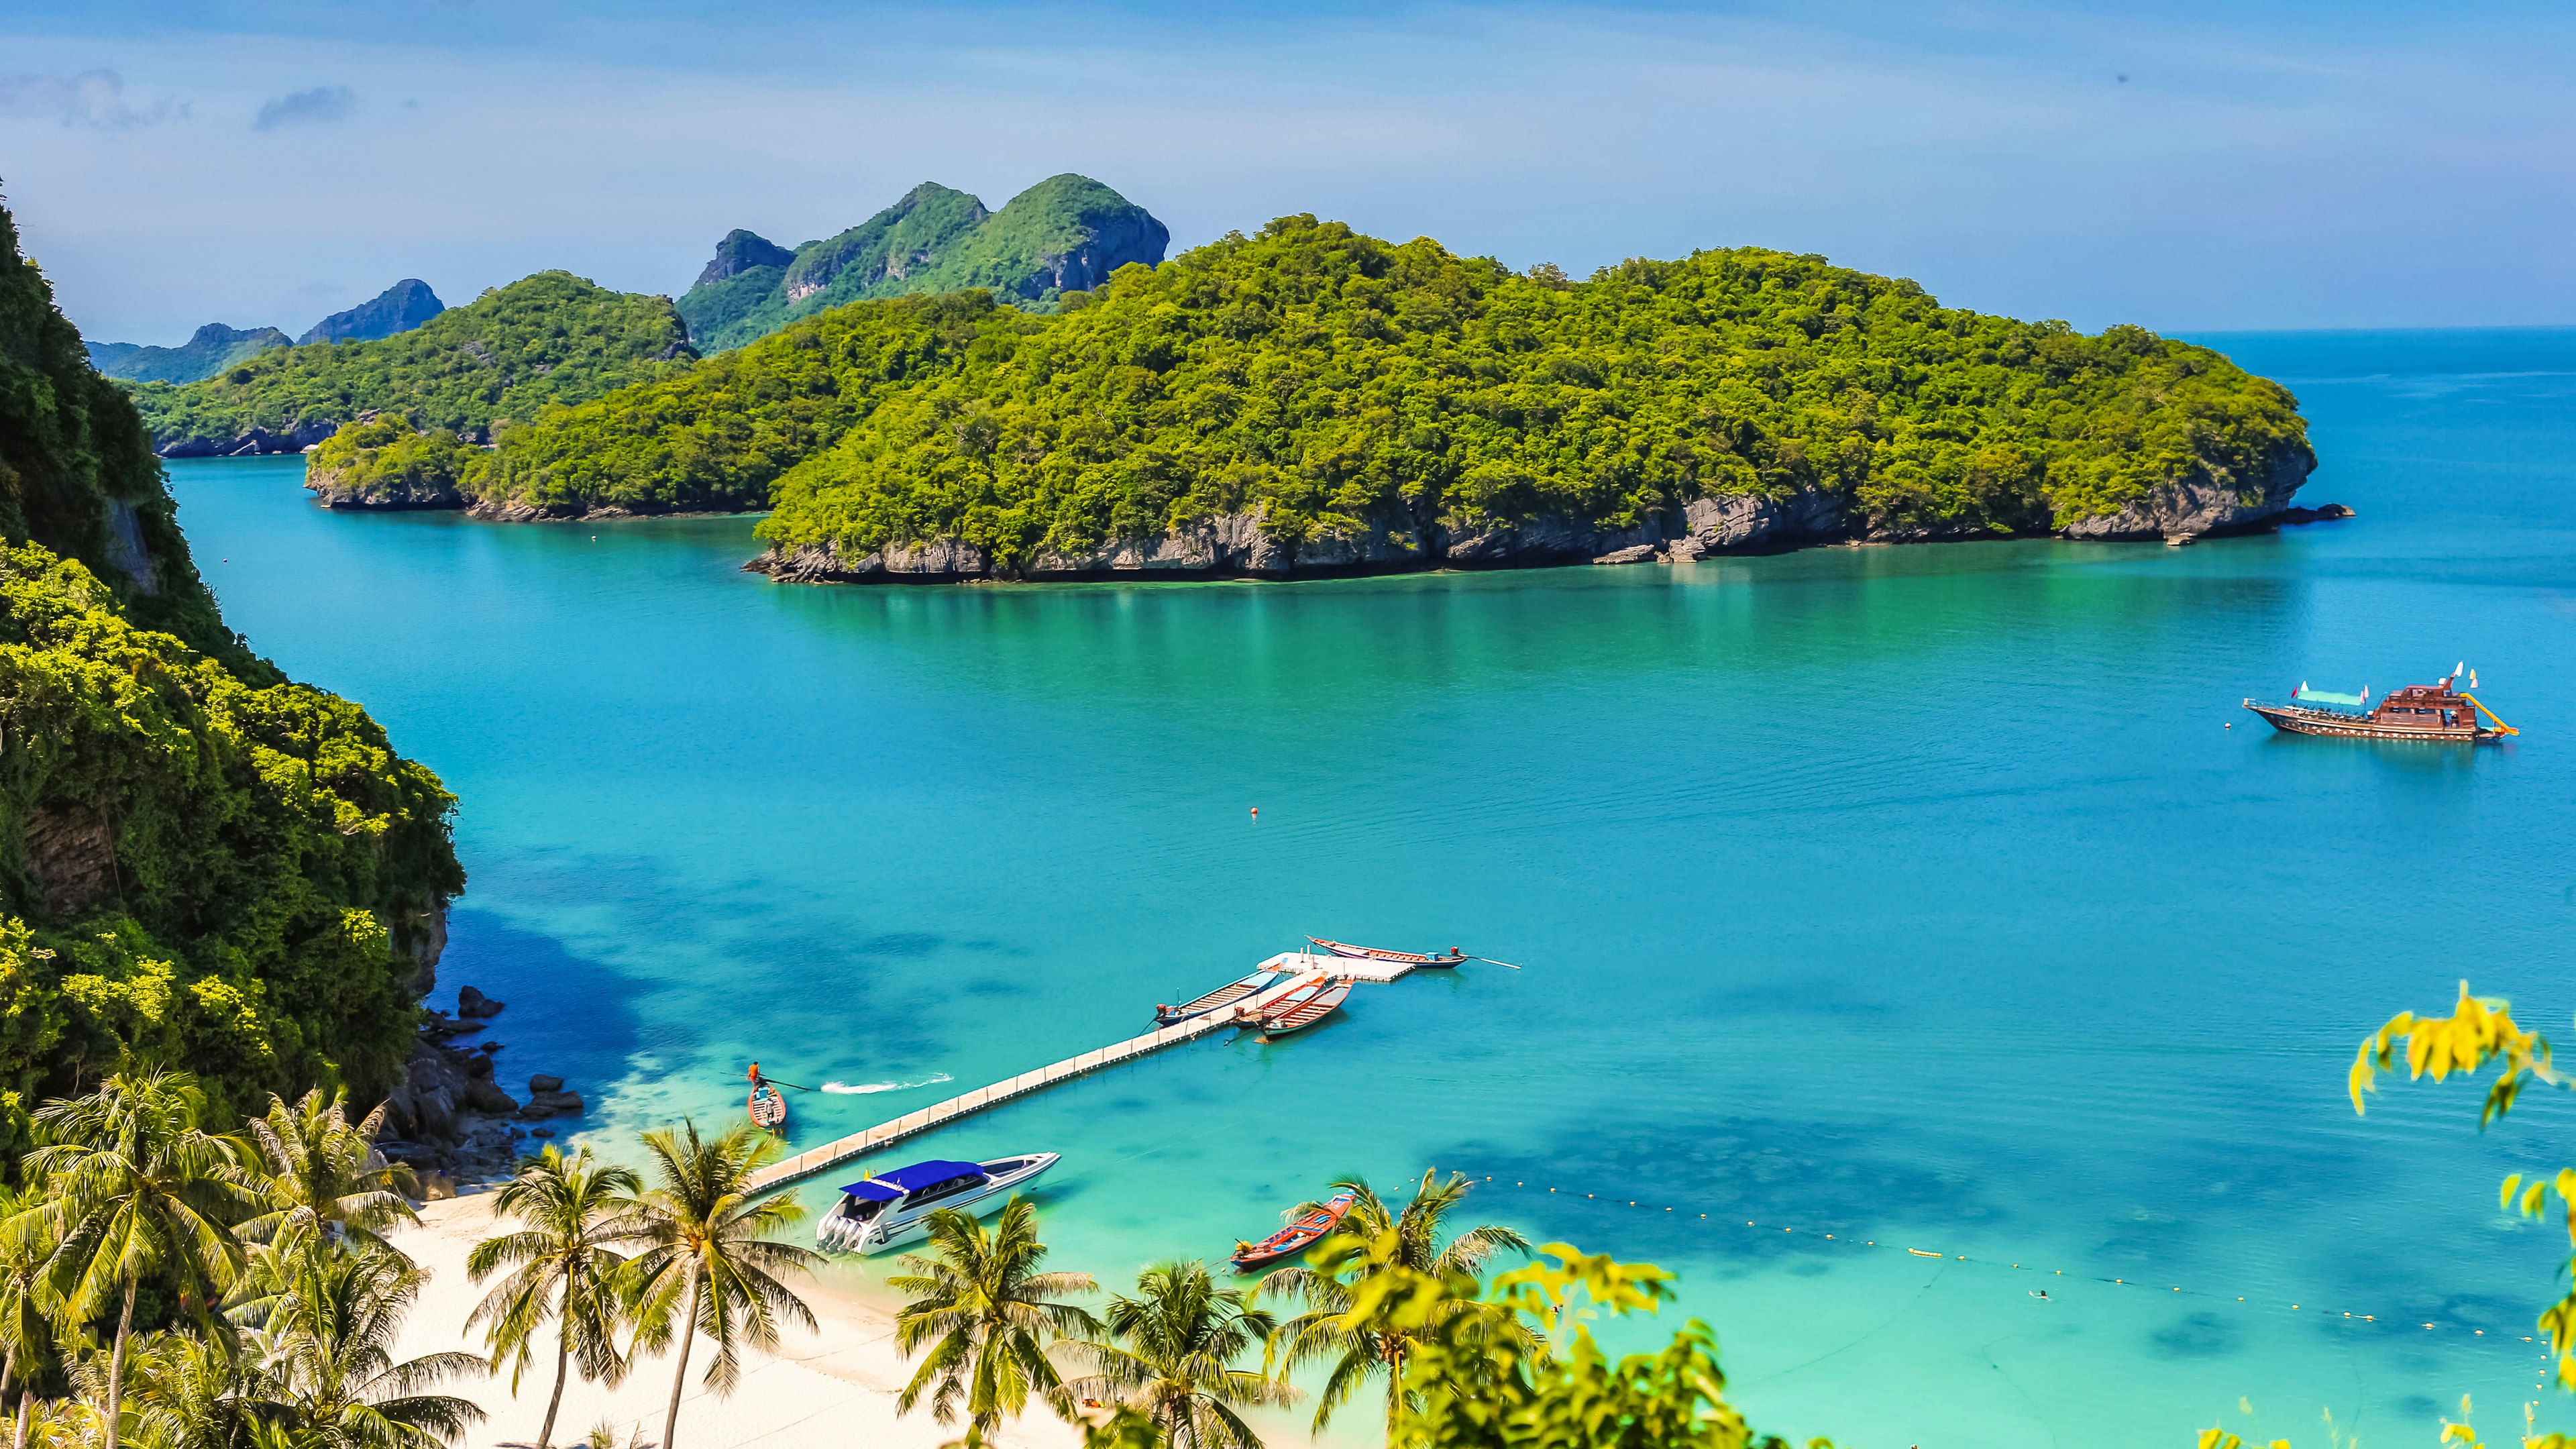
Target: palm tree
{"points": [[30, 1229], [565, 1269], [315, 1173], [140, 1190], [1173, 1355], [993, 1315], [702, 1236], [195, 1393], [1372, 1240], [329, 1356]]}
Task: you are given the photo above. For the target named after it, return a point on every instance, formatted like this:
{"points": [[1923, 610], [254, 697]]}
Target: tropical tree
{"points": [[190, 1392], [564, 1269], [1546, 1384], [1171, 1355], [990, 1316], [328, 1350], [30, 1229], [316, 1173], [1351, 1325], [140, 1190], [702, 1238]]}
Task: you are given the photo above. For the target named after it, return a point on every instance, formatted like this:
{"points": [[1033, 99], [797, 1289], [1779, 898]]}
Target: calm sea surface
{"points": [[1919, 896]]}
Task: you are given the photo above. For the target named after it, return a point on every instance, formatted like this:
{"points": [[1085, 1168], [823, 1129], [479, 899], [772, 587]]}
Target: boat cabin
{"points": [[2427, 706], [922, 1184]]}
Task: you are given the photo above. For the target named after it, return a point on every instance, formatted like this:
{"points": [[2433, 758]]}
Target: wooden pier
{"points": [[940, 1114], [1298, 966]]}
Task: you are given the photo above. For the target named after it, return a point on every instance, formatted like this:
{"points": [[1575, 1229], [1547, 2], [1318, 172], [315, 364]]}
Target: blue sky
{"points": [[2261, 165]]}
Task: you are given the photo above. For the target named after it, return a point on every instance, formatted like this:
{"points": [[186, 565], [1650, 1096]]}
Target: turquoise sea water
{"points": [[1920, 896]]}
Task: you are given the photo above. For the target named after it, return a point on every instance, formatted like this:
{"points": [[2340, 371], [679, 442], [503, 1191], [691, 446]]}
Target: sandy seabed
{"points": [[833, 1386]]}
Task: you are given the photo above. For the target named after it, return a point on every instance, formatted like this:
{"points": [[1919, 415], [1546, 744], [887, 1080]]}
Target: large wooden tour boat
{"points": [[2435, 712]]}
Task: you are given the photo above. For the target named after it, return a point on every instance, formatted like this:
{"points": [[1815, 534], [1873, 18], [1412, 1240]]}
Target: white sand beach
{"points": [[835, 1386]]}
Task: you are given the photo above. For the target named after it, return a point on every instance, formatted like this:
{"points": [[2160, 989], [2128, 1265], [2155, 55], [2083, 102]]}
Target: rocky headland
{"points": [[1239, 545]]}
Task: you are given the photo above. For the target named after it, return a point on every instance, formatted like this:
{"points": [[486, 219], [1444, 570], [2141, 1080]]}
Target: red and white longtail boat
{"points": [[1297, 1236], [1377, 953], [1302, 1006], [1217, 1000]]}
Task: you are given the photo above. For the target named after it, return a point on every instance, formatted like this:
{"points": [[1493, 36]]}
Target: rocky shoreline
{"points": [[1235, 545], [449, 1118]]}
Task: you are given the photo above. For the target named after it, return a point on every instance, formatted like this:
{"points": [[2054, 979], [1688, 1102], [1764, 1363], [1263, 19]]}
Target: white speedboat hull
{"points": [[901, 1224]]}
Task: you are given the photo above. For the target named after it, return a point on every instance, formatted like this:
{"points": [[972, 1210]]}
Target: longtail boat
{"points": [[768, 1107], [1300, 1233], [1217, 1000], [2435, 712], [1378, 953], [1302, 1007]]}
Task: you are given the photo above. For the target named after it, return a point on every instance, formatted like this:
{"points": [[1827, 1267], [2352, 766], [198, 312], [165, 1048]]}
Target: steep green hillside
{"points": [[1344, 386], [213, 348], [715, 437], [550, 338], [1064, 234], [202, 864]]}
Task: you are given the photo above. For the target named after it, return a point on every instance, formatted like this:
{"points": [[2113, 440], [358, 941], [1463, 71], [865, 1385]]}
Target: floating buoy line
{"points": [[1845, 1240]]}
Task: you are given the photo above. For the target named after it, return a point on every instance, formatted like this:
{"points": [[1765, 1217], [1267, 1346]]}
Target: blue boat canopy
{"points": [[886, 1187]]}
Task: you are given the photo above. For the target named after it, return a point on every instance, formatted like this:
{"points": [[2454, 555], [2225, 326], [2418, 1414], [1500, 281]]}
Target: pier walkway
{"points": [[1296, 966], [939, 1114]]}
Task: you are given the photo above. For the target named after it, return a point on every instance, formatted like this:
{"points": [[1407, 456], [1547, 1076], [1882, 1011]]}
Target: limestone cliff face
{"points": [[1237, 544], [2209, 503]]}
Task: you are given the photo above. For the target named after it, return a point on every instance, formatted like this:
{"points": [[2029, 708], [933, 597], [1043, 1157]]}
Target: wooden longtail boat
{"points": [[769, 1107], [2434, 712], [1376, 953], [1297, 1236], [1309, 1003], [1217, 1000]]}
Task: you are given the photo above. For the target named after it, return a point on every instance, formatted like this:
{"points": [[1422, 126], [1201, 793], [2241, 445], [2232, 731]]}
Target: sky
{"points": [[2188, 165]]}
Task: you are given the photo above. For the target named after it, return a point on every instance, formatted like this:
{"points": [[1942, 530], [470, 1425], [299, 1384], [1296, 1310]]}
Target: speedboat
{"points": [[889, 1209]]}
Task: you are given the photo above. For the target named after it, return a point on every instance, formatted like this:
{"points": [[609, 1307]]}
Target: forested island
{"points": [[1065, 234], [547, 339], [208, 866], [1312, 399]]}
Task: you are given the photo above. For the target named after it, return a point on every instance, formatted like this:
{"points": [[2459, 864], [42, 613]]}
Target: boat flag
{"points": [[2473, 679], [2302, 689], [2459, 669], [2365, 694]]}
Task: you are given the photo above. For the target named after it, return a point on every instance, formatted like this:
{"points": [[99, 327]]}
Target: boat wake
{"points": [[848, 1089]]}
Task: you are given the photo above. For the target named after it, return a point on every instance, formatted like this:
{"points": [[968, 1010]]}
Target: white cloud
{"points": [[318, 106], [90, 98]]}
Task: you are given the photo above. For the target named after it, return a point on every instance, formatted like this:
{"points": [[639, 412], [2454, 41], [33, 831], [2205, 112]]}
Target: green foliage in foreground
{"points": [[1510, 1367], [205, 873], [387, 460], [202, 865], [550, 338], [1336, 381], [77, 473]]}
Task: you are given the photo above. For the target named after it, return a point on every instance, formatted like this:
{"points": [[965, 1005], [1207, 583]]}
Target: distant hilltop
{"points": [[398, 308], [1065, 234], [214, 348], [217, 348]]}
